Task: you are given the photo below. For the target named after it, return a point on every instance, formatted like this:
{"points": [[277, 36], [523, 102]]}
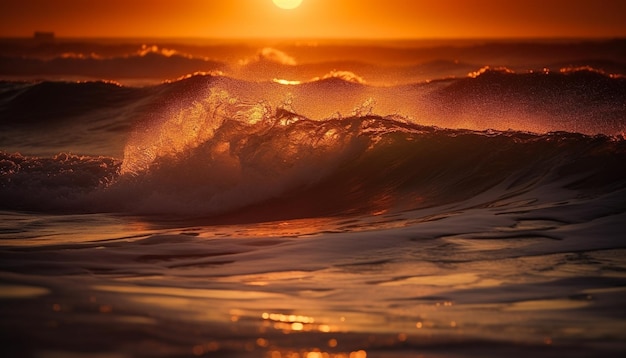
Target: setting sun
{"points": [[287, 4]]}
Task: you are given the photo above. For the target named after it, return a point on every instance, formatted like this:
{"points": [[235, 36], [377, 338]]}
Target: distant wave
{"points": [[148, 64], [578, 100], [50, 102], [379, 63], [269, 55], [582, 100]]}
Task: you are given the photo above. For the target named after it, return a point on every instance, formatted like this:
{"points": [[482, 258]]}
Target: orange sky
{"points": [[315, 18]]}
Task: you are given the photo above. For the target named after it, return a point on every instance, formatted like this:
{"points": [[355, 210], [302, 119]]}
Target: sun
{"points": [[287, 4]]}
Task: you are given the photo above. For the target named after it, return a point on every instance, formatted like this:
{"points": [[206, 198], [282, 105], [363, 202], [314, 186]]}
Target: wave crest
{"points": [[181, 129], [347, 76], [269, 54], [243, 163]]}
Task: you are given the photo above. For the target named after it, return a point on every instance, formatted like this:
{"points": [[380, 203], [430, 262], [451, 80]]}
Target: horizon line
{"points": [[306, 38]]}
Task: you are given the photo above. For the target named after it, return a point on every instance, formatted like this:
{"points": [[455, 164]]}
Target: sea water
{"points": [[312, 199]]}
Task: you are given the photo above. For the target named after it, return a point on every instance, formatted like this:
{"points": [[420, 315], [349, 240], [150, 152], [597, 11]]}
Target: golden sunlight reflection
{"points": [[486, 69], [286, 82], [291, 322], [468, 279], [154, 49], [547, 305], [277, 231], [316, 353], [347, 76], [292, 228], [190, 292], [265, 279]]}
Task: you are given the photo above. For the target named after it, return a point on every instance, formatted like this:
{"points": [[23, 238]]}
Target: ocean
{"points": [[314, 198]]}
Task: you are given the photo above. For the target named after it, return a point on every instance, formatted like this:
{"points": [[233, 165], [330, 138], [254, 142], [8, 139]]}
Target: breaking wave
{"points": [[287, 166]]}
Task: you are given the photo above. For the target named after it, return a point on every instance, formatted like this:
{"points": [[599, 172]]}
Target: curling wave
{"points": [[289, 166]]}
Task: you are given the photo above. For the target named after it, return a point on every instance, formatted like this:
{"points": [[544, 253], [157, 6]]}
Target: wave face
{"points": [[285, 166]]}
